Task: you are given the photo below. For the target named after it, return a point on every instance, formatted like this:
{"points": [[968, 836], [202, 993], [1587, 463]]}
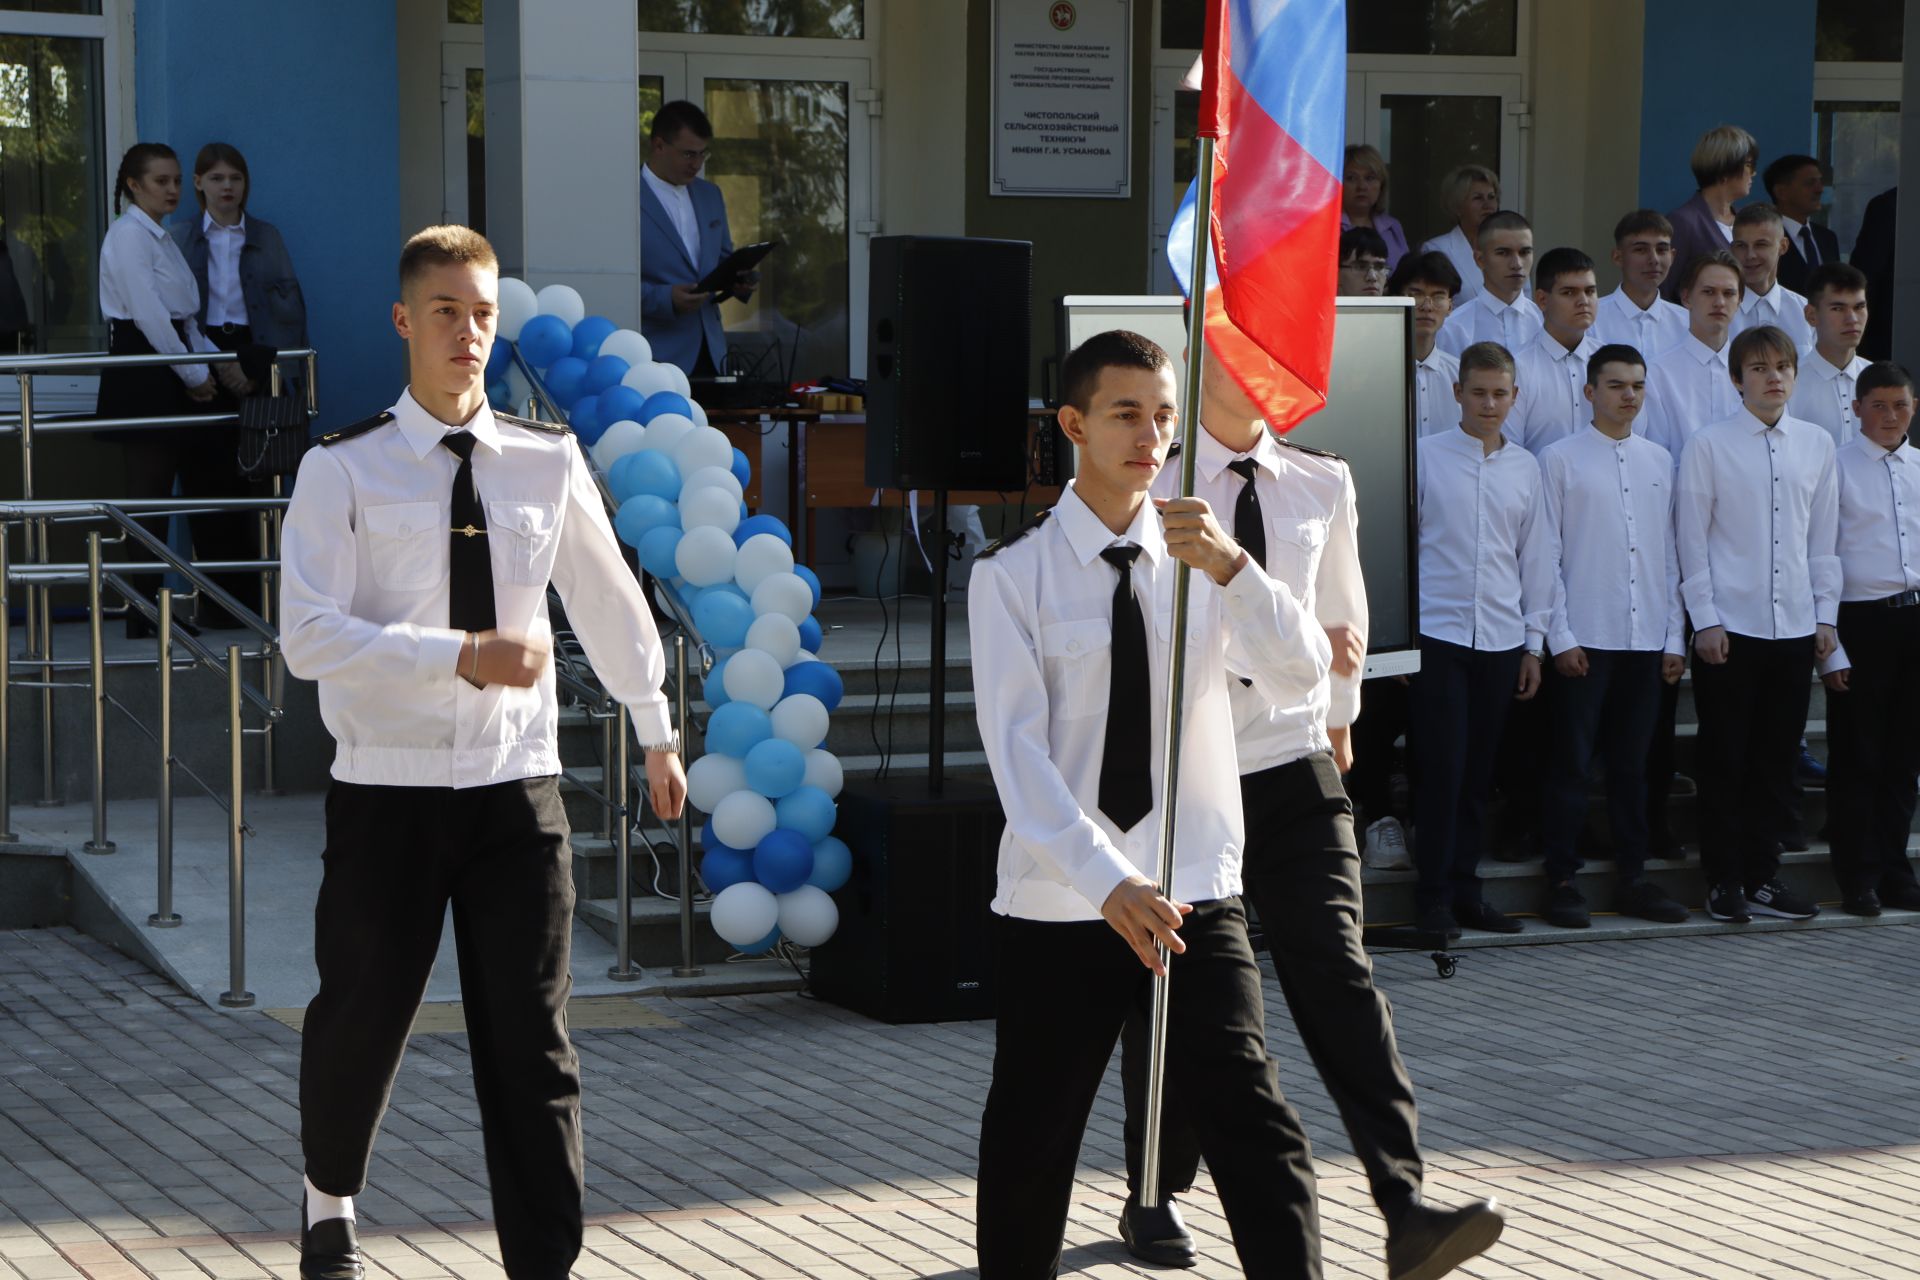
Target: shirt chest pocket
{"points": [[1202, 664], [1078, 657], [522, 535], [1294, 544], [407, 543]]}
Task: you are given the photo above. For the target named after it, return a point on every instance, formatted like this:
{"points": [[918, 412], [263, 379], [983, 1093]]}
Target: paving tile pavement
{"points": [[1717, 1106]]}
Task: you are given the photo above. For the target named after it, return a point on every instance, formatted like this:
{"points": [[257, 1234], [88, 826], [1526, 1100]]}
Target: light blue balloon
{"points": [[741, 468], [583, 415], [650, 471], [811, 635], [722, 618], [566, 381], [812, 580], [775, 767], [620, 404], [545, 339], [589, 334], [808, 810], [818, 679], [656, 550], [763, 946], [761, 524], [642, 512], [714, 686], [832, 865], [663, 402], [736, 728], [604, 373]]}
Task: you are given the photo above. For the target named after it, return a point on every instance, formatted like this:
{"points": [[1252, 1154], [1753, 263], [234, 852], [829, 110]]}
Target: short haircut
{"points": [[679, 114], [1758, 215], [1767, 338], [1501, 220], [1786, 167], [446, 245], [1722, 153], [1555, 263], [1114, 349], [1432, 267], [1717, 258], [1841, 277], [219, 153], [1359, 153], [1613, 353], [1882, 375], [1638, 223], [1355, 241], [1459, 181], [1486, 357]]}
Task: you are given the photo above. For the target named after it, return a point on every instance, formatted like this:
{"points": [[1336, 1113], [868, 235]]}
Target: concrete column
{"points": [[563, 149]]}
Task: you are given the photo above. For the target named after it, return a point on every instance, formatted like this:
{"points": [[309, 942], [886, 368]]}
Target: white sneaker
{"points": [[1386, 847]]}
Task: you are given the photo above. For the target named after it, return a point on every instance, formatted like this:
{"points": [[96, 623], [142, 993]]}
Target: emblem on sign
{"points": [[1061, 15]]}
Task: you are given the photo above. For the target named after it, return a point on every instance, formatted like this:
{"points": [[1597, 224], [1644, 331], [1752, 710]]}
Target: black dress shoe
{"points": [[1864, 903], [1486, 917], [1901, 896], [1439, 923], [1426, 1243], [329, 1250], [1157, 1235]]}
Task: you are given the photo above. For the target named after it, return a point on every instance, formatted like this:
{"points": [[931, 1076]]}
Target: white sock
{"points": [[321, 1206]]}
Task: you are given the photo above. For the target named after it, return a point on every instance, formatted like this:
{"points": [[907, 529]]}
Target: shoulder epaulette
{"points": [[533, 424], [1284, 443], [1173, 451], [1016, 535], [357, 429]]}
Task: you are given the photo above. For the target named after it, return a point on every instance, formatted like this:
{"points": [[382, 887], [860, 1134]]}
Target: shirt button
{"points": [[405, 530], [1073, 646], [525, 526]]}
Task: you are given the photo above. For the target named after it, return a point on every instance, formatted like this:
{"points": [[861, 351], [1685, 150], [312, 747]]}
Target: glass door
{"points": [[463, 150], [1425, 124], [1176, 114]]}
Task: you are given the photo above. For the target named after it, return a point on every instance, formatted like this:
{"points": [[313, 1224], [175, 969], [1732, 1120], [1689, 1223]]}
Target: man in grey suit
{"points": [[683, 236]]}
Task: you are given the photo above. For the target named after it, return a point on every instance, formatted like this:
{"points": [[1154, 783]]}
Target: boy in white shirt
{"points": [[1689, 384], [1635, 314], [1552, 369], [1837, 310], [1430, 280], [1501, 312], [1759, 238]]}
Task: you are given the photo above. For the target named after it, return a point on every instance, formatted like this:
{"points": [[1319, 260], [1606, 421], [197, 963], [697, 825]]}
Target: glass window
{"points": [[1460, 28], [53, 177], [477, 149], [817, 19], [1860, 143], [90, 8], [653, 93], [1423, 137], [464, 12], [1858, 31]]}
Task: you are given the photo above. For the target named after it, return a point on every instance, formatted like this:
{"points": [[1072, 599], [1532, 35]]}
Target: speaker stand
{"points": [[937, 682]]}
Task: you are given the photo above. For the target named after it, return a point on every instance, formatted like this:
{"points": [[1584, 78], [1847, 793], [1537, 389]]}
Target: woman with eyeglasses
{"points": [[1363, 200], [1723, 163]]}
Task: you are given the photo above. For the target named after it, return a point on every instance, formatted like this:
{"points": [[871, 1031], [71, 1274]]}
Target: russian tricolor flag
{"points": [[1274, 82]]}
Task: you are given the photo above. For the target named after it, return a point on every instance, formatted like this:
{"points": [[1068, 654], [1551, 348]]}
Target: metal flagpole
{"points": [[1149, 1190]]}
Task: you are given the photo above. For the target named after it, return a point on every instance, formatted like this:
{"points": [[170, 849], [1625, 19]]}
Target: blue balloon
{"points": [[566, 381], [645, 471], [620, 477], [783, 861], [605, 372], [808, 810], [818, 679], [545, 339], [499, 357], [499, 396], [812, 580], [589, 334], [722, 618], [743, 510], [721, 867], [714, 687], [639, 514], [741, 468], [620, 404], [761, 524], [737, 728], [811, 635], [832, 864], [763, 946], [656, 549], [708, 840], [775, 767], [584, 417], [664, 402]]}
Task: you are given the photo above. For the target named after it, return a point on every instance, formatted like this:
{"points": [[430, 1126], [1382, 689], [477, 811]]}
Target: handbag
{"points": [[272, 435]]}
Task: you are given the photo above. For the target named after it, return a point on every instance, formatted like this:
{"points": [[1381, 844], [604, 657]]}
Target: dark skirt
{"points": [[152, 392]]}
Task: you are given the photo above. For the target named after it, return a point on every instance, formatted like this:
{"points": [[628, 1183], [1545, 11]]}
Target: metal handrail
{"points": [[73, 361]]}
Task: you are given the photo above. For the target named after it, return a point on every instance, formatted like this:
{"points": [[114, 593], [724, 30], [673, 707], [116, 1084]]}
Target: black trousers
{"points": [[1753, 709], [395, 858], [1064, 991], [1302, 874], [1383, 720], [1873, 738], [1460, 702], [1609, 712]]}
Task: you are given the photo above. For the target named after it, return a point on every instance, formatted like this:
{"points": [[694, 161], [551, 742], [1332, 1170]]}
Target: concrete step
{"points": [[654, 937]]}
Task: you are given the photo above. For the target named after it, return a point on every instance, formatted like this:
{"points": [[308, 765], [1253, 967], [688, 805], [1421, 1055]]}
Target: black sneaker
{"points": [[1864, 903], [1728, 902], [1485, 917], [1567, 907], [1645, 900], [1776, 900], [1903, 895], [1438, 922]]}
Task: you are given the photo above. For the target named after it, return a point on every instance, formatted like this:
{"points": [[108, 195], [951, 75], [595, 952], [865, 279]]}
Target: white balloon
{"points": [[807, 916], [620, 439], [702, 447], [563, 301], [647, 378], [629, 346], [744, 913], [741, 821], [666, 431], [803, 655], [714, 777], [699, 414], [800, 719], [823, 771], [712, 478], [775, 635], [786, 593], [518, 304], [677, 379], [705, 557], [518, 389], [754, 677], [762, 556], [716, 508]]}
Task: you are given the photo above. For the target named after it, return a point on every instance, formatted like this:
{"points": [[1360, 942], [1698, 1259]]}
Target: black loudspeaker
{"points": [[912, 945], [949, 323]]}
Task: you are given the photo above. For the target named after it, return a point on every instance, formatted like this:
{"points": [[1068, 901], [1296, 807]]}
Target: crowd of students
{"points": [[1699, 462]]}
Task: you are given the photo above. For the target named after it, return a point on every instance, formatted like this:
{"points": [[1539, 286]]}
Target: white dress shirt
{"points": [[365, 596], [1313, 549], [226, 304], [1487, 319], [1459, 251], [145, 278], [1688, 386], [1782, 308], [1756, 517], [1551, 403], [678, 202], [1650, 332], [1617, 576], [1823, 395], [1040, 613], [1435, 408], [1486, 553], [1879, 542]]}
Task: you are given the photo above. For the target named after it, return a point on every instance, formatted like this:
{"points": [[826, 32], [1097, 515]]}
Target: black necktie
{"points": [[470, 589], [1126, 778], [1249, 527], [1806, 240]]}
